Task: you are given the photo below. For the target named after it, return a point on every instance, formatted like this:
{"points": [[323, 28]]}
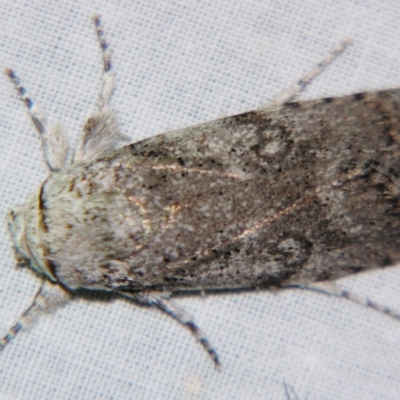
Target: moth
{"points": [[294, 193]]}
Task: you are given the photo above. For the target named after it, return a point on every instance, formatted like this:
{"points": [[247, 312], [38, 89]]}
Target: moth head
{"points": [[24, 225]]}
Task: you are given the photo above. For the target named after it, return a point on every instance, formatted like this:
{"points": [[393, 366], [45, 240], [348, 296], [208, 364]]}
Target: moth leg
{"points": [[48, 297], [289, 391], [291, 93], [107, 84], [332, 289], [161, 302], [100, 131], [54, 139]]}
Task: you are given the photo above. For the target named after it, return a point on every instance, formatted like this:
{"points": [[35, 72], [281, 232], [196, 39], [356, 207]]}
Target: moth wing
{"points": [[311, 188]]}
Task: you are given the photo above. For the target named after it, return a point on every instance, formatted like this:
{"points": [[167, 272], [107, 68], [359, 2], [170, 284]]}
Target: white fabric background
{"points": [[179, 63]]}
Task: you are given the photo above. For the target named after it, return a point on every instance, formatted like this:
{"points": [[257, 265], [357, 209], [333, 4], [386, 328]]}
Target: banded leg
{"points": [[107, 84], [54, 140], [100, 132], [290, 392], [161, 302], [333, 289], [291, 93], [48, 297]]}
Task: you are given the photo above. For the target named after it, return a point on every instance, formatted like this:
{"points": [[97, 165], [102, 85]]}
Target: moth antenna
{"points": [[54, 139], [292, 92], [107, 85], [178, 314], [47, 298]]}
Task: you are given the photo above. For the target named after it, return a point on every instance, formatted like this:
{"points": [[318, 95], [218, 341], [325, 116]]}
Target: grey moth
{"points": [[295, 193]]}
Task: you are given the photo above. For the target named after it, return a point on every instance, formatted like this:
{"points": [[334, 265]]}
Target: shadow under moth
{"points": [[292, 194]]}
